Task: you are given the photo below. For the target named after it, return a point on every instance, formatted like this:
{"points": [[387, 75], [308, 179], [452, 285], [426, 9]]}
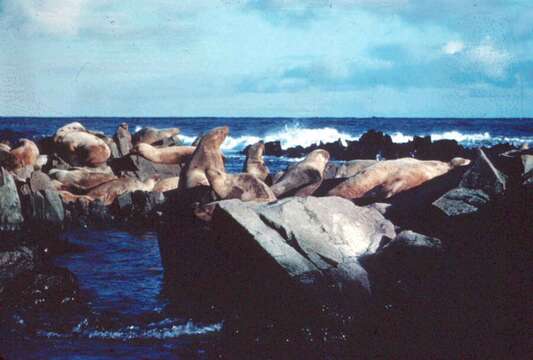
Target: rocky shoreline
{"points": [[452, 245]]}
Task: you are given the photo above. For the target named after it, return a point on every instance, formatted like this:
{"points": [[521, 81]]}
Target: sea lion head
{"points": [[321, 156], [458, 161], [215, 137], [124, 125], [256, 150]]}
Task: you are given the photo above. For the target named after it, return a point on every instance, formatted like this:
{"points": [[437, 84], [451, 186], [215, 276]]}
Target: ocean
{"points": [[120, 271]]}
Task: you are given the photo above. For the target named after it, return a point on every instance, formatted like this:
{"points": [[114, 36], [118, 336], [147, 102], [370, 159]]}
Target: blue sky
{"points": [[459, 58]]}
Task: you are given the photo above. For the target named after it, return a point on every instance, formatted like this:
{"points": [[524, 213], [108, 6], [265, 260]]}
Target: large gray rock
{"points": [[316, 241], [461, 201], [10, 207], [144, 169]]}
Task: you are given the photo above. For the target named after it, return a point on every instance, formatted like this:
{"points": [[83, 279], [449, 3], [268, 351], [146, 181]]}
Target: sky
{"points": [[294, 58]]}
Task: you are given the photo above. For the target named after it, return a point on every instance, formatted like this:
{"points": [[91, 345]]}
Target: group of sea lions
{"points": [[89, 178]]}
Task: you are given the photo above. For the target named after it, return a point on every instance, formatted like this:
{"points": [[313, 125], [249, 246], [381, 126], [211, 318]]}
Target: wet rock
{"points": [[10, 206], [527, 163], [273, 148], [14, 262], [316, 242]]}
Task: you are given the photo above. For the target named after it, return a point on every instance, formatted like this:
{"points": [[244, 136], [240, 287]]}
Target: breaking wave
{"points": [[292, 136], [166, 329]]}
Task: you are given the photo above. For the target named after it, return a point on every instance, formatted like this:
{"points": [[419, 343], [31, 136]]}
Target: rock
{"points": [[14, 262], [43, 208], [273, 148], [479, 185], [315, 241], [10, 207], [484, 176]]}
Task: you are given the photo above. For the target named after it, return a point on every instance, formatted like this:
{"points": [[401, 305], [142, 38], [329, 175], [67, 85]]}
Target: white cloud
{"points": [[54, 16], [453, 47], [492, 60]]}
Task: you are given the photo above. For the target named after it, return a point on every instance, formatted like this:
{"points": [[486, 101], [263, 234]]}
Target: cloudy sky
{"points": [[460, 58]]}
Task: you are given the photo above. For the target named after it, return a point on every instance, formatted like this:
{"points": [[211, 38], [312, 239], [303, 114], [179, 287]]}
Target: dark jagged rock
{"points": [[11, 217], [14, 262], [377, 145], [273, 148], [462, 201], [484, 176]]}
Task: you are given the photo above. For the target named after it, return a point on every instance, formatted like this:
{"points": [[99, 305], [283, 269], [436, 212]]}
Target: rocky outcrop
{"points": [[377, 145], [481, 183], [313, 242], [10, 207]]}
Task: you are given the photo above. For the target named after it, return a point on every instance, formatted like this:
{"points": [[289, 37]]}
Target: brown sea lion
{"points": [[151, 135], [68, 197], [350, 168], [27, 152], [167, 184], [245, 187], [207, 155], [254, 164], [304, 177], [80, 147], [80, 180], [387, 178], [165, 155], [109, 191]]}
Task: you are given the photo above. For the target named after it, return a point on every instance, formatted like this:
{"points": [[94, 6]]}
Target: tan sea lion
{"points": [[165, 155], [82, 147], [387, 178], [254, 164], [27, 153], [123, 131], [350, 168], [167, 184], [151, 135], [304, 177], [109, 191], [5, 147], [207, 155], [68, 197], [245, 187], [80, 180]]}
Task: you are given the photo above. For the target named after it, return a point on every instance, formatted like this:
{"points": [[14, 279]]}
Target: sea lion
{"points": [[387, 178], [167, 184], [109, 191], [254, 164], [80, 180], [67, 197], [27, 153], [5, 147], [245, 187], [81, 147], [165, 155], [350, 168], [151, 135], [123, 139], [304, 177], [207, 155]]}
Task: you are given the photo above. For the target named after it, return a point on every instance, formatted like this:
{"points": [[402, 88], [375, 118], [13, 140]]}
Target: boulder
{"points": [[10, 207], [314, 242], [14, 262], [273, 148], [479, 185], [527, 163], [484, 176]]}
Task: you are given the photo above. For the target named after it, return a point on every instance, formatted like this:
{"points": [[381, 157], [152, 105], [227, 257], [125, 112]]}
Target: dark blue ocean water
{"points": [[120, 271]]}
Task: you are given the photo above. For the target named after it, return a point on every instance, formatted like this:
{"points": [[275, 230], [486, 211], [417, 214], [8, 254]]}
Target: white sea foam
{"points": [[291, 136], [165, 329]]}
